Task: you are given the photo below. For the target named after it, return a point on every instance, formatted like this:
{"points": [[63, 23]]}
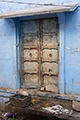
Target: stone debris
{"points": [[25, 93], [58, 109], [4, 114], [71, 112], [42, 88]]}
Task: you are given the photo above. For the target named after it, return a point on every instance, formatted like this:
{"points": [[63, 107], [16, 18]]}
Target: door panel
{"points": [[30, 53], [30, 27], [49, 68], [49, 56], [50, 40], [29, 79], [30, 66], [49, 25], [50, 80], [30, 40]]}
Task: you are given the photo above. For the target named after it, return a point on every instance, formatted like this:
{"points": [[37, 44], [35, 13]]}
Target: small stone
{"points": [[42, 88], [71, 112], [76, 105], [25, 93], [66, 110]]}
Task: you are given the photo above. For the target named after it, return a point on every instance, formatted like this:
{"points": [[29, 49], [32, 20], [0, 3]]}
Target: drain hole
{"points": [[50, 55], [30, 54], [50, 70]]}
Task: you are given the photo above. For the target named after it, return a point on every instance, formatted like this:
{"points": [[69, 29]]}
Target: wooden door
{"points": [[40, 54], [49, 54]]}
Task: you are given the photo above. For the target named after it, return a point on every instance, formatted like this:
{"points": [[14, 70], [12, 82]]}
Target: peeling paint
{"points": [[76, 82], [73, 50], [78, 49], [68, 48]]}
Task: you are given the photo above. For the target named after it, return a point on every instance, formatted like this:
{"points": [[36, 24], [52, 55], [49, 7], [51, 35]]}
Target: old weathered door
{"points": [[30, 53], [40, 54]]}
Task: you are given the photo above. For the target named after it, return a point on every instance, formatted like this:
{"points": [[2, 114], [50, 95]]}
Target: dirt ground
{"points": [[29, 117], [35, 112], [38, 103]]}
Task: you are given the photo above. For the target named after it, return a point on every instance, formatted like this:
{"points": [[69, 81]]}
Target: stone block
{"points": [[76, 105], [52, 88]]}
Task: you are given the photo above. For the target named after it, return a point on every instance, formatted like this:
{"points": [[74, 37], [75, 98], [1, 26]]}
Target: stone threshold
{"points": [[5, 92]]}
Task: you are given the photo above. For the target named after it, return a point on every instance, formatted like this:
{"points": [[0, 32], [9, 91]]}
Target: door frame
{"points": [[61, 20]]}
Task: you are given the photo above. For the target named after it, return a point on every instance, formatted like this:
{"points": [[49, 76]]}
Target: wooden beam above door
{"points": [[39, 10]]}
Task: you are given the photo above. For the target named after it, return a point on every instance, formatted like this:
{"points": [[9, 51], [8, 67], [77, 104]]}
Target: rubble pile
{"points": [[58, 109]]}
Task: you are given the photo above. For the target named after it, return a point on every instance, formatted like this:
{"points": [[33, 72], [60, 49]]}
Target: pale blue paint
{"points": [[7, 53], [61, 17], [72, 55], [17, 24], [69, 38]]}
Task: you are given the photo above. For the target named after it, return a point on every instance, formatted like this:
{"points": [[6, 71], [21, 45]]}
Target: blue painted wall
{"points": [[8, 61], [7, 51], [72, 52]]}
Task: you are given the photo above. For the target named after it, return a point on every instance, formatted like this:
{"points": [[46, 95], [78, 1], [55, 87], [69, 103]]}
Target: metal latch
{"points": [[17, 45], [58, 44]]}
